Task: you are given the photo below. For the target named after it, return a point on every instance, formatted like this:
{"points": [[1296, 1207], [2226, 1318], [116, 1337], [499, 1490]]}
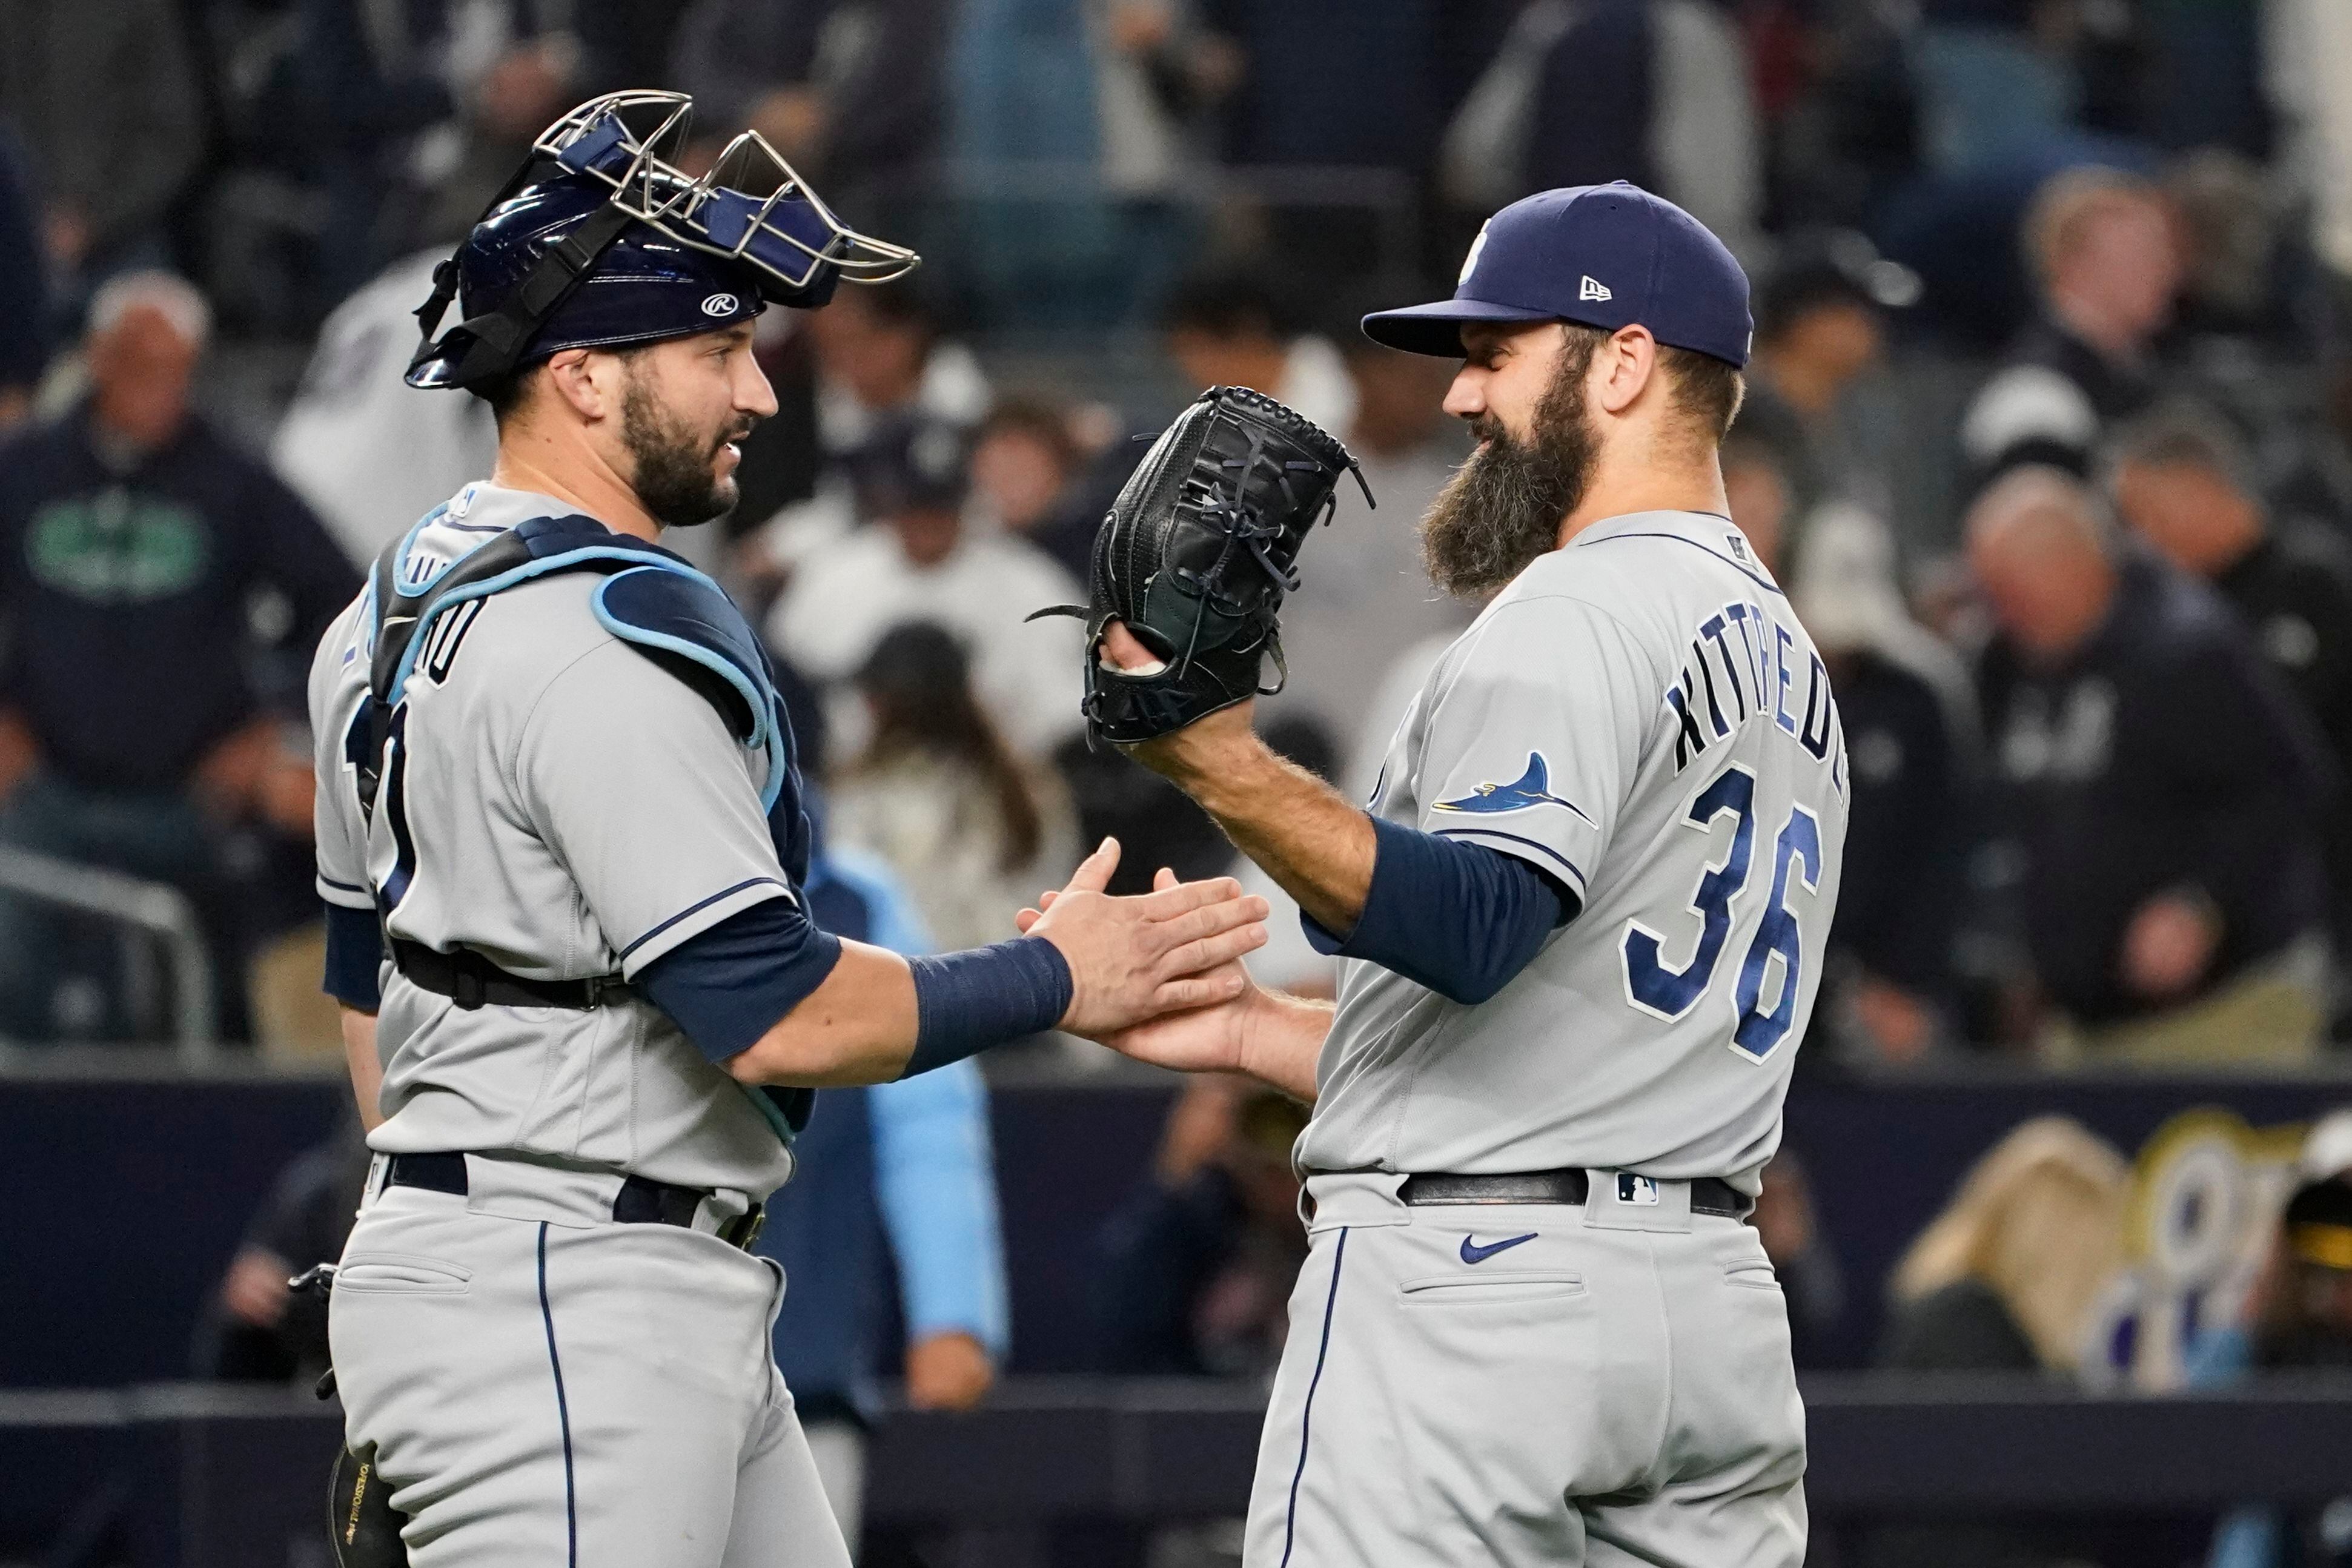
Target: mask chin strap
{"points": [[495, 339]]}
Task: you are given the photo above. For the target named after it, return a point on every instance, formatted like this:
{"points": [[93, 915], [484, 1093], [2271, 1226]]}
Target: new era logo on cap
{"points": [[1545, 257]]}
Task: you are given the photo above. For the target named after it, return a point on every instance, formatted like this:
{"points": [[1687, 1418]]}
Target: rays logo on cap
{"points": [[1470, 262], [719, 305]]}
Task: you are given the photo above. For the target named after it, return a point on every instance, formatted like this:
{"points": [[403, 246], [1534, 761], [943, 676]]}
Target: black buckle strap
{"points": [[470, 980], [640, 1201], [1709, 1194]]}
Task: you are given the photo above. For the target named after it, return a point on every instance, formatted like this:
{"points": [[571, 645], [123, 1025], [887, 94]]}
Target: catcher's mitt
{"points": [[1196, 556]]}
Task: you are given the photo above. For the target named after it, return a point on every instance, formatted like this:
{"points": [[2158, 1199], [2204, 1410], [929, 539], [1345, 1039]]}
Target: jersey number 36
{"points": [[1670, 993]]}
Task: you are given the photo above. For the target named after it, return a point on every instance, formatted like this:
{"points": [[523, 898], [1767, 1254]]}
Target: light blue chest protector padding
{"points": [[650, 599]]}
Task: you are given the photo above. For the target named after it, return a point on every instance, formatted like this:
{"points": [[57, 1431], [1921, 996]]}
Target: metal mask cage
{"points": [[752, 206]]}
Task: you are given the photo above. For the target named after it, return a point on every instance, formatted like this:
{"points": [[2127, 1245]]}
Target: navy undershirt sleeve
{"points": [[354, 949], [1458, 918], [729, 984]]}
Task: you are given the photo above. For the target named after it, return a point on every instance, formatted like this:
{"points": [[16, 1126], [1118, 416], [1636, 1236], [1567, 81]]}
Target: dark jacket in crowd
{"points": [[2110, 394], [2162, 756], [105, 98], [882, 98], [2293, 591], [1906, 840], [131, 599], [304, 1221], [23, 326], [1159, 1252]]}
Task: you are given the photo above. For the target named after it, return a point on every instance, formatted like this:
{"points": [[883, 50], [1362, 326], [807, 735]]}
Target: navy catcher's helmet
{"points": [[599, 240]]}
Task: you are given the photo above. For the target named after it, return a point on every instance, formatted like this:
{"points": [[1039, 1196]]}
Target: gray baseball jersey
{"points": [[1639, 715], [567, 808]]}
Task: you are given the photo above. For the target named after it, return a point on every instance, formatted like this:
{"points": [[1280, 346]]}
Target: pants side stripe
{"points": [[1307, 1413], [563, 1408]]}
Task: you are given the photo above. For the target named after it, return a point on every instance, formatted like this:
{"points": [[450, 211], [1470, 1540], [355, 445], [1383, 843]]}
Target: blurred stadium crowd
{"points": [[2048, 435]]}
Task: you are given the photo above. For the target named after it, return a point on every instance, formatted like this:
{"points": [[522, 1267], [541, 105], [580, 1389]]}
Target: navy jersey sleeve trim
{"points": [[354, 952], [700, 904], [729, 984], [1462, 919], [1567, 865], [344, 887]]}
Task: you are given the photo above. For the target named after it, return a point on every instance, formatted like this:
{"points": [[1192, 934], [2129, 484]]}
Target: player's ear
{"points": [[589, 388], [1625, 364]]}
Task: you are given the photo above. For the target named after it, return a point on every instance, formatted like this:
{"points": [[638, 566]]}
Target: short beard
{"points": [[673, 479], [1503, 509]]}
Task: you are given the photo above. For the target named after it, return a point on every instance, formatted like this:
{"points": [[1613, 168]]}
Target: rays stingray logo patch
{"points": [[1532, 788]]}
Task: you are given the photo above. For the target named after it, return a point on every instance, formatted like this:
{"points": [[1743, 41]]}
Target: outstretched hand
{"points": [[1132, 960], [1202, 1036]]}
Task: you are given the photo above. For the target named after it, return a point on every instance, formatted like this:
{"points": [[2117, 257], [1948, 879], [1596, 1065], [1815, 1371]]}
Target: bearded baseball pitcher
{"points": [[1583, 916]]}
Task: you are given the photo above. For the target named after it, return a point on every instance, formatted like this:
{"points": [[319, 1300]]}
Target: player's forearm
{"points": [[366, 1069], [1315, 842], [1282, 1040], [857, 1027]]}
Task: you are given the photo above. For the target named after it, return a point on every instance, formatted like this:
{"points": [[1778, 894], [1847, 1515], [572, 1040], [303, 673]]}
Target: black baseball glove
{"points": [[1196, 556]]}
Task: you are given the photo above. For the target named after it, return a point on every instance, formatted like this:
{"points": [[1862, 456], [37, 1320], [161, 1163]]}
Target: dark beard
{"points": [[1503, 506], [673, 479]]}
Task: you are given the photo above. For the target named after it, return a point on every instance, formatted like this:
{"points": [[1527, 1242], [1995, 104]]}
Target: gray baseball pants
{"points": [[1610, 1385], [545, 1388]]}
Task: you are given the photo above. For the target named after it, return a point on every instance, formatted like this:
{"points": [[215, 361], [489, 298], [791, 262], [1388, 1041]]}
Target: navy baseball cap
{"points": [[1605, 256]]}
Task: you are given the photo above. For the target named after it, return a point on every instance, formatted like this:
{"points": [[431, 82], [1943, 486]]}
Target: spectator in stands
{"points": [[1225, 327], [370, 453], [1904, 705], [907, 1164], [2299, 1319], [1028, 474], [1362, 591], [256, 1330], [105, 99], [1654, 91], [879, 363], [2159, 787], [1104, 89], [1821, 327], [1997, 79], [973, 830], [924, 564], [849, 90], [2183, 483], [2005, 1279], [24, 327], [1197, 1268], [141, 561], [2102, 248]]}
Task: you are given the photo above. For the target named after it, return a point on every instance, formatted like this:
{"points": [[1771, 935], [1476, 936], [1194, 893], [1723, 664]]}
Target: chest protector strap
{"points": [[665, 607], [651, 600]]}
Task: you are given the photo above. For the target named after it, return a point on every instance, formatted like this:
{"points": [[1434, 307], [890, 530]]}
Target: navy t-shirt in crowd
{"points": [[2162, 757], [135, 602]]}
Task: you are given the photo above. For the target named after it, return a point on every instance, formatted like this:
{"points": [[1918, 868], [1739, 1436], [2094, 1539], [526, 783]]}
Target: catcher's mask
{"points": [[599, 239]]}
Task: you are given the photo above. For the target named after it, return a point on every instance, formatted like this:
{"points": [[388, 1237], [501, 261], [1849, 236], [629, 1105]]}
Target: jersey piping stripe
{"points": [[1767, 584], [1307, 1413], [342, 886], [563, 1410], [1542, 849], [705, 903]]}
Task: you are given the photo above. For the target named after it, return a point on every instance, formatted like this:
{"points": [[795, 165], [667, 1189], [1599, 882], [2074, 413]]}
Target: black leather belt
{"points": [[639, 1201], [467, 979], [1709, 1194]]}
